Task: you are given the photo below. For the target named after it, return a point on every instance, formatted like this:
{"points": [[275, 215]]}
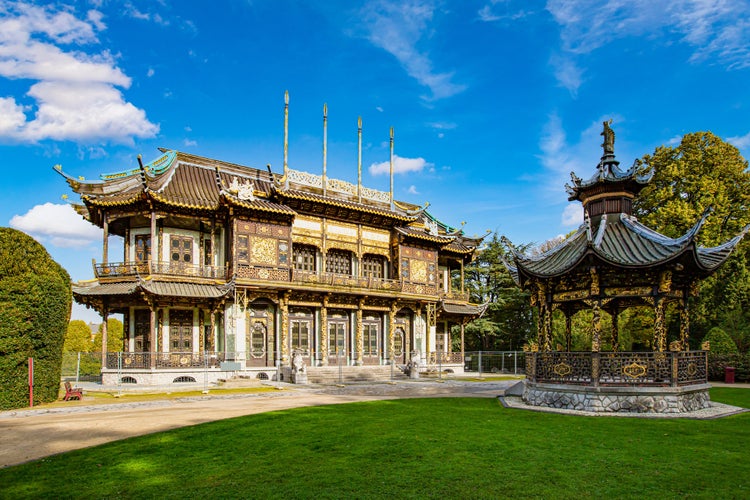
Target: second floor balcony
{"points": [[269, 275], [146, 268]]}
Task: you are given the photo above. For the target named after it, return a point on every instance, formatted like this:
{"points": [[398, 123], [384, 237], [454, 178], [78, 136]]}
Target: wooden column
{"points": [[660, 328], [391, 329], [284, 306], [154, 245], [324, 333], [105, 239], [105, 316], [212, 337], [462, 342], [359, 338], [154, 337], [568, 332], [684, 325], [596, 327]]}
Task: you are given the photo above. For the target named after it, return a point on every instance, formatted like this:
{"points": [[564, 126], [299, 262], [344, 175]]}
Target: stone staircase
{"points": [[331, 374]]}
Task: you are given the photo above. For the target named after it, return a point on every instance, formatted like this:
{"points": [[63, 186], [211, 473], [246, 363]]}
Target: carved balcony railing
{"points": [[634, 369], [455, 295], [276, 274], [145, 360], [123, 269]]}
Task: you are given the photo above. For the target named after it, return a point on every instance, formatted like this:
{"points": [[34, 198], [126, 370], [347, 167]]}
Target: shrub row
{"points": [[35, 299], [740, 363]]}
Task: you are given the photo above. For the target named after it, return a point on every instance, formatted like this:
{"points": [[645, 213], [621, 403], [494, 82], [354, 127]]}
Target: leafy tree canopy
{"points": [[721, 342], [78, 337], [114, 336]]}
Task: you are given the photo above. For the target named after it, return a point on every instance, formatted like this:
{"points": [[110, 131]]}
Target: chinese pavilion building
{"points": [[611, 263], [228, 267]]}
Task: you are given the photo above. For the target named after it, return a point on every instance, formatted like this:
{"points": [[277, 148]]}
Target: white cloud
{"points": [[572, 215], [489, 13], [717, 30], [740, 142], [567, 72], [397, 27], [400, 166], [412, 189], [75, 94], [379, 108], [150, 72], [560, 156], [190, 142], [59, 225], [442, 125]]}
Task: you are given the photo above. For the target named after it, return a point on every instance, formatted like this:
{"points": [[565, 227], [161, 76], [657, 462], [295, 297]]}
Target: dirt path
{"points": [[32, 434]]}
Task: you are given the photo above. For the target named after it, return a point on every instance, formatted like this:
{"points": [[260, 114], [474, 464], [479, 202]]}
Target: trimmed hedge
{"points": [[35, 301], [740, 363]]}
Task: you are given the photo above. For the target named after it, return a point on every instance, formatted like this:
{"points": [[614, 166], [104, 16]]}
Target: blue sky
{"points": [[493, 102]]}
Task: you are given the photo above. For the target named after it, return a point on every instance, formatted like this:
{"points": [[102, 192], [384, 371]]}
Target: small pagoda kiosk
{"points": [[612, 263]]}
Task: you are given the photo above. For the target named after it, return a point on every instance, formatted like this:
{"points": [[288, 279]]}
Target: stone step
{"points": [[331, 374]]}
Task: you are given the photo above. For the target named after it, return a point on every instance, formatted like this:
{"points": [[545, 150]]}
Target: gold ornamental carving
{"points": [[562, 369], [634, 370], [570, 295], [418, 270], [594, 281], [264, 251], [692, 369]]}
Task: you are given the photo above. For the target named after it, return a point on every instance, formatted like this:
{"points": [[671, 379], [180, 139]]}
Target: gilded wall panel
{"points": [[418, 270], [264, 251]]}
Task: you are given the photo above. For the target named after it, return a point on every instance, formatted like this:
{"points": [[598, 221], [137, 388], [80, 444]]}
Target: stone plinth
{"points": [[618, 399]]}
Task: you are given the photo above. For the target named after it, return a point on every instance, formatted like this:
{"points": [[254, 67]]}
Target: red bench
{"points": [[72, 392]]}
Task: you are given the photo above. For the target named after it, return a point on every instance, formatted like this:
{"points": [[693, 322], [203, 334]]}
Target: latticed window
{"points": [[339, 262], [370, 334], [142, 247], [300, 335], [398, 342], [373, 266], [182, 249], [258, 339], [208, 255], [336, 338], [304, 257], [242, 249]]}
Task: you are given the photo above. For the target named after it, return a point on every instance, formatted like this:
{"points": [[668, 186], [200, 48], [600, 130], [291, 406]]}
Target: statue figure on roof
{"points": [[609, 138]]}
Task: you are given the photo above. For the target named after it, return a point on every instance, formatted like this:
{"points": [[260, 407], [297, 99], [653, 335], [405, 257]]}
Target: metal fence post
{"points": [[440, 365], [515, 362], [78, 367], [338, 360], [205, 373], [119, 372], [480, 364]]}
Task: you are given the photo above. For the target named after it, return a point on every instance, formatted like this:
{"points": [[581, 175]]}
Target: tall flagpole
{"points": [[391, 168], [286, 133], [359, 159], [325, 145]]}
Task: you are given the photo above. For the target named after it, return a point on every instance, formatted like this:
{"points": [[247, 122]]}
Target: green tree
{"points": [[35, 300], [721, 342], [78, 337], [704, 171], [114, 336], [508, 321]]}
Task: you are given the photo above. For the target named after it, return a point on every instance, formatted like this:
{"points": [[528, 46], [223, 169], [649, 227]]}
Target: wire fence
{"points": [[87, 366]]}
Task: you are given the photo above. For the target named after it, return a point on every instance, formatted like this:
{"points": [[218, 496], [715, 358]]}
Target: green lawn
{"points": [[418, 448]]}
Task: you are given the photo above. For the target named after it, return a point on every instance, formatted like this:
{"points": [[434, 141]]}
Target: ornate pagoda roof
{"points": [[618, 240], [195, 183]]}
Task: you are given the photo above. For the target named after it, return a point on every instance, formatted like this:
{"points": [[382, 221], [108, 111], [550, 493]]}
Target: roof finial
{"points": [[609, 139]]}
